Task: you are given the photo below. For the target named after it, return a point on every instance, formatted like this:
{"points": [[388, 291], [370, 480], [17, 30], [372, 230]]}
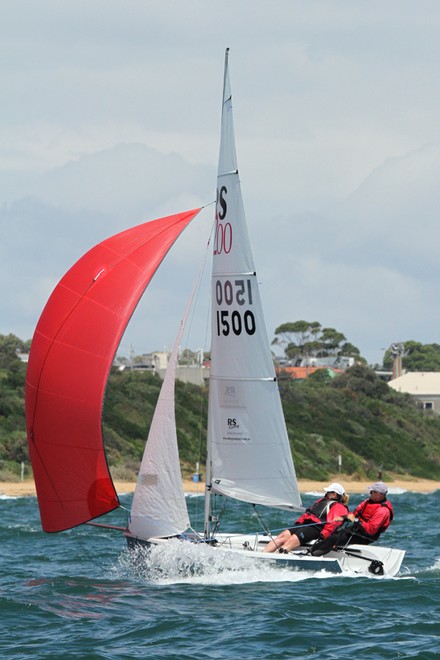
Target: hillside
{"points": [[355, 416], [360, 417]]}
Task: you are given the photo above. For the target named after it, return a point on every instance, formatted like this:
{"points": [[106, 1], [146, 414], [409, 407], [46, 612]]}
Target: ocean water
{"points": [[79, 594]]}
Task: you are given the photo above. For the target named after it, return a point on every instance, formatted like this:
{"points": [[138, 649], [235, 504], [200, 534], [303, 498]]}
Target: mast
{"points": [[248, 449], [208, 475]]}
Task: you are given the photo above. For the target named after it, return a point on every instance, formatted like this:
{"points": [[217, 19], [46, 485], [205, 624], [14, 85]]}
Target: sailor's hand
{"points": [[355, 526], [350, 517]]}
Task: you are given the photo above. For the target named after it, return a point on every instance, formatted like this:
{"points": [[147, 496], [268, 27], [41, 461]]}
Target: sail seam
{"points": [[251, 273], [227, 173], [241, 378]]}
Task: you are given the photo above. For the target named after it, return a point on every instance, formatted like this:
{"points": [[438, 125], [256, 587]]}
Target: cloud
{"points": [[369, 264], [111, 115], [65, 211]]}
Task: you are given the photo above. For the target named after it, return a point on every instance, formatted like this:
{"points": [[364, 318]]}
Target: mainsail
{"points": [[249, 455], [71, 354]]}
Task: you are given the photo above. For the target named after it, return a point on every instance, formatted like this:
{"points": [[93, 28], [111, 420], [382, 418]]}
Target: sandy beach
{"points": [[27, 488]]}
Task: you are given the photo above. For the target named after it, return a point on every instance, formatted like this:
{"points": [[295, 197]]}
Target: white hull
{"points": [[356, 559]]}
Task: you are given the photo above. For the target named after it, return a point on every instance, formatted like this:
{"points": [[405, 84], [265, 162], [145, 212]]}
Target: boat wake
{"points": [[177, 562], [432, 570]]}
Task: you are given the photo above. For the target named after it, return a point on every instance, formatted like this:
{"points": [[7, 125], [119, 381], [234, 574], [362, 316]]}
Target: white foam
{"points": [[188, 563], [436, 565]]}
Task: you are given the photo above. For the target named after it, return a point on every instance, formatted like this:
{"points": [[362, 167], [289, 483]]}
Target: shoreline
{"points": [[27, 488]]}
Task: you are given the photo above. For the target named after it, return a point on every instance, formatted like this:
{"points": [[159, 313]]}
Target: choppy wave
{"points": [[84, 592]]}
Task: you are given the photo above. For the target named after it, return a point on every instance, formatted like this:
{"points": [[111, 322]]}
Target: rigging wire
{"points": [[203, 389], [85, 549]]}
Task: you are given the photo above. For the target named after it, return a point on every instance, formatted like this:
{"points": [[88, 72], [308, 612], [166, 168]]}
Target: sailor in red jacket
{"points": [[318, 521], [368, 521]]}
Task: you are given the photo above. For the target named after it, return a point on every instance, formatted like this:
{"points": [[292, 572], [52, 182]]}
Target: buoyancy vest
{"points": [[320, 508], [368, 508]]}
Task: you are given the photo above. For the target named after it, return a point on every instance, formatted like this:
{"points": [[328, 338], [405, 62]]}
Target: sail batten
{"points": [[248, 273], [240, 379], [226, 173]]}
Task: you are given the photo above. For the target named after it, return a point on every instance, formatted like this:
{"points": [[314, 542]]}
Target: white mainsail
{"points": [[248, 446]]}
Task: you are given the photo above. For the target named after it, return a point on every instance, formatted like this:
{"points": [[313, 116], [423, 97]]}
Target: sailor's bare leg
{"points": [[278, 541]]}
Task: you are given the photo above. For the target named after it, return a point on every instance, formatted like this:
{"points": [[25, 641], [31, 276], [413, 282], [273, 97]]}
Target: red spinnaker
{"points": [[72, 350]]}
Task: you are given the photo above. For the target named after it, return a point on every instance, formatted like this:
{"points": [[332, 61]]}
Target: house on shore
{"points": [[157, 362], [423, 386], [301, 373], [303, 367]]}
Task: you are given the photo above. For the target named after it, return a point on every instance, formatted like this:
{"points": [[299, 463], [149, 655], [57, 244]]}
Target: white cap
{"points": [[336, 488]]}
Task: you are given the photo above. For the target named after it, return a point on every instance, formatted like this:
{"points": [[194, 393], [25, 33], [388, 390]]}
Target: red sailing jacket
{"points": [[375, 517], [324, 510]]}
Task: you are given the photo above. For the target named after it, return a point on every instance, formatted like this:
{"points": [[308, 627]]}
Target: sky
{"points": [[110, 116]]}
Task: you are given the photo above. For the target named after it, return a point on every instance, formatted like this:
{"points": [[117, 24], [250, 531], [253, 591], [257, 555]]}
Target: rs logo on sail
{"points": [[223, 231], [232, 424], [222, 206]]}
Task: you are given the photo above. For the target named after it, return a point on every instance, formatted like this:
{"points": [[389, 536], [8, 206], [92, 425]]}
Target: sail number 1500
{"points": [[236, 321]]}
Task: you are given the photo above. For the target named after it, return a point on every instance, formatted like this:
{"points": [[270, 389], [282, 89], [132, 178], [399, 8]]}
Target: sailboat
{"points": [[248, 451]]}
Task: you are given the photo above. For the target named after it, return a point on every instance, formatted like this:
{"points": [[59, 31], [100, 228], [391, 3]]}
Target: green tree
{"points": [[415, 356], [10, 345], [350, 350], [309, 339], [331, 340]]}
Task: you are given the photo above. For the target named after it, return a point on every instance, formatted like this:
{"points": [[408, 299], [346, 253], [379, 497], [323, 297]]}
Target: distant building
{"points": [[195, 374], [157, 363], [301, 367], [384, 374], [146, 362], [423, 386], [301, 373], [334, 362]]}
